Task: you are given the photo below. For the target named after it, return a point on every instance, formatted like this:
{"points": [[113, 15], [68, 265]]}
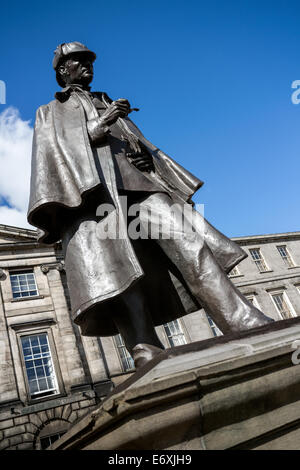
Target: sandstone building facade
{"points": [[51, 376]]}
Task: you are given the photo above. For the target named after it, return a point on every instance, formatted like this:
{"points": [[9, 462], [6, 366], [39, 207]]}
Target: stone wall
{"points": [[22, 431]]}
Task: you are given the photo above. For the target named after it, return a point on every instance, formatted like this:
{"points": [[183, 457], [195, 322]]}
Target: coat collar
{"points": [[65, 93]]}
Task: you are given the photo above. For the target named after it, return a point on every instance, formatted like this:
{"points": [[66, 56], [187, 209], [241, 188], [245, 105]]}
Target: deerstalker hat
{"points": [[67, 48]]}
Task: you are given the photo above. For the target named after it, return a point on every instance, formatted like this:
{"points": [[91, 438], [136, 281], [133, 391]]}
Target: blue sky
{"points": [[212, 80]]}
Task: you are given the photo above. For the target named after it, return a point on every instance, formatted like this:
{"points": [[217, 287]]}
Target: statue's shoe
{"points": [[143, 353]]}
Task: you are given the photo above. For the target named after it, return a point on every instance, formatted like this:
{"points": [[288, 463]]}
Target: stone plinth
{"points": [[240, 391]]}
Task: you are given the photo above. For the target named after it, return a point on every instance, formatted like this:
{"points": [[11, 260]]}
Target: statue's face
{"points": [[77, 69]]}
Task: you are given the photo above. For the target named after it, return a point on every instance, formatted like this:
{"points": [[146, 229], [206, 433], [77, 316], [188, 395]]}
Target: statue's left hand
{"points": [[142, 161]]}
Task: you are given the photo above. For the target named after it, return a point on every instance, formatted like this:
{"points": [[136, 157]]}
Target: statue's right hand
{"points": [[118, 108]]}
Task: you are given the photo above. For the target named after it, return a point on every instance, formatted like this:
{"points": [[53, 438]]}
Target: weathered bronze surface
{"points": [[87, 152]]}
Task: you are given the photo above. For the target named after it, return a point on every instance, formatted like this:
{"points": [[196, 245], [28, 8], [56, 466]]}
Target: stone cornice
{"points": [[269, 238], [25, 246], [265, 280], [30, 238], [8, 230], [26, 325]]}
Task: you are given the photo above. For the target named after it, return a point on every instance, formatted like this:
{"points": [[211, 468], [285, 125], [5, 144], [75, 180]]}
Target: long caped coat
{"points": [[64, 176]]}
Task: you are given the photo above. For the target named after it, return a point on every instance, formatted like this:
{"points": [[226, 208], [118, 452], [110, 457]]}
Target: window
{"points": [[52, 431], [175, 333], [213, 326], [259, 260], [126, 359], [48, 440], [39, 366], [282, 305], [253, 300], [285, 255], [23, 284], [234, 272]]}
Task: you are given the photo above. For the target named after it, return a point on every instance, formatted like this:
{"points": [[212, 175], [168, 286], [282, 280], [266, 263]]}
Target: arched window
{"points": [[51, 433]]}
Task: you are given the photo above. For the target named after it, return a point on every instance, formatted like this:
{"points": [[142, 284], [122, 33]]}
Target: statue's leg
{"points": [[229, 309], [135, 325]]}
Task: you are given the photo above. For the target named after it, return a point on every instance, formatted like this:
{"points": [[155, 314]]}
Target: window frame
{"points": [[31, 331], [20, 271], [127, 353], [288, 259], [286, 300], [182, 333], [41, 439], [261, 259], [253, 297], [213, 327], [52, 428], [236, 274]]}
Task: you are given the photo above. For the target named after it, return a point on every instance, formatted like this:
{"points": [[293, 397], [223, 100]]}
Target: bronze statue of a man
{"points": [[86, 153]]}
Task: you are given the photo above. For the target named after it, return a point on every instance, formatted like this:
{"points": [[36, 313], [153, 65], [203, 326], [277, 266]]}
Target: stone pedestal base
{"points": [[239, 391]]}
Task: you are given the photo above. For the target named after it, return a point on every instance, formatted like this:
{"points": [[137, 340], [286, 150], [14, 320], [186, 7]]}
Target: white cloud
{"points": [[15, 158], [14, 217]]}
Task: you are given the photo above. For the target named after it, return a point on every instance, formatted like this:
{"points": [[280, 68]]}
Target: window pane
{"points": [[43, 339], [215, 330], [43, 385], [23, 284], [47, 371], [25, 343], [126, 359], [253, 300], [33, 386], [31, 374], [39, 372], [286, 257], [50, 382], [258, 259], [282, 305], [38, 368], [175, 333], [34, 341], [47, 441], [234, 272], [27, 353]]}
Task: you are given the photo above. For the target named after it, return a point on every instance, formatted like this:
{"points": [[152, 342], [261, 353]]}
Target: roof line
{"points": [[33, 233]]}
